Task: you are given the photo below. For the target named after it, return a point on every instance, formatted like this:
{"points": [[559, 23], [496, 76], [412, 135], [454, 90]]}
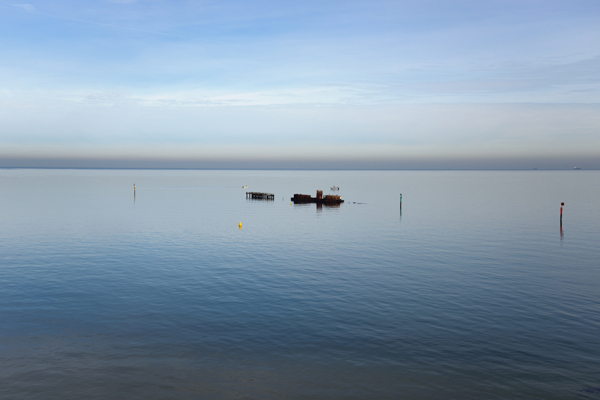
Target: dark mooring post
{"points": [[561, 207], [401, 201]]}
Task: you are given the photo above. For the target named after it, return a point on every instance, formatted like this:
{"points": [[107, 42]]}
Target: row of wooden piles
{"points": [[260, 196]]}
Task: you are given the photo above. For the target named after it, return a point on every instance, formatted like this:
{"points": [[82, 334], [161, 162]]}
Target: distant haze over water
{"points": [[308, 159]]}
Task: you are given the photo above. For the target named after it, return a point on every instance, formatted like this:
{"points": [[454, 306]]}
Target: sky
{"points": [[311, 84]]}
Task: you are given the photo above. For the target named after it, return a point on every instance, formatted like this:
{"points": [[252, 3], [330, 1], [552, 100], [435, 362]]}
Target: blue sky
{"points": [[390, 84]]}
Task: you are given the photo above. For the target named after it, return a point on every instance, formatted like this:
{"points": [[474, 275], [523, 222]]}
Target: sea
{"points": [[467, 288]]}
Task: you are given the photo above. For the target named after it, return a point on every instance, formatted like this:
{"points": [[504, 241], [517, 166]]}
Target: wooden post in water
{"points": [[401, 201], [561, 207]]}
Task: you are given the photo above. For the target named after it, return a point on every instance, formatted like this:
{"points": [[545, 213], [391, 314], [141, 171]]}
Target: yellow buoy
{"points": [[240, 225]]}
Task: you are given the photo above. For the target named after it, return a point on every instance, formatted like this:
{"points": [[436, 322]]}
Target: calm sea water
{"points": [[472, 292]]}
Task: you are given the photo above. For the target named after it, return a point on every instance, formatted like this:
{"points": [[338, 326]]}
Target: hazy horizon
{"points": [[317, 85]]}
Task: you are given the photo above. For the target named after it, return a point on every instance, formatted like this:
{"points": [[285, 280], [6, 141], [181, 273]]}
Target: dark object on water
{"points": [[561, 206], [260, 196], [576, 167], [305, 198]]}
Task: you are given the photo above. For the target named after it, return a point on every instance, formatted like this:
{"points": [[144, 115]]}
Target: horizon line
{"points": [[310, 169]]}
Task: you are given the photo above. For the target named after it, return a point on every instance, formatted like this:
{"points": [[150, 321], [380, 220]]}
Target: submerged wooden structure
{"points": [[260, 196], [327, 199]]}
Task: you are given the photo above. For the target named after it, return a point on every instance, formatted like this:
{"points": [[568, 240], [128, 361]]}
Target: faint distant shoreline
{"points": [[298, 169]]}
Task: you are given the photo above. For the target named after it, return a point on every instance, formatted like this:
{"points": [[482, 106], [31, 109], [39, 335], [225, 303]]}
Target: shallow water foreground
{"points": [[472, 292]]}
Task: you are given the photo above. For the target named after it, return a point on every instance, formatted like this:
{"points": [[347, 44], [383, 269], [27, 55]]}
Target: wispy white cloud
{"points": [[26, 7]]}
